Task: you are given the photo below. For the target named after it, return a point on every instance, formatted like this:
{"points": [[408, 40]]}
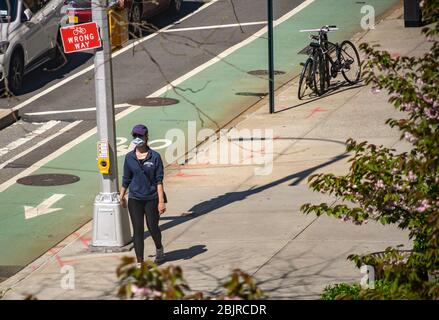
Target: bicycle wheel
{"points": [[319, 71], [350, 62], [307, 80]]}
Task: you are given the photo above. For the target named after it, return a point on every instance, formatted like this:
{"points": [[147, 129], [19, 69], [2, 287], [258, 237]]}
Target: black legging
{"points": [[137, 210]]}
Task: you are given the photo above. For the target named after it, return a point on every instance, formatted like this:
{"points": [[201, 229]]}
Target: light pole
{"points": [[270, 55], [110, 221]]}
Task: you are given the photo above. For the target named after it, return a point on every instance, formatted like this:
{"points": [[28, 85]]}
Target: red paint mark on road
{"points": [[185, 175], [58, 259], [261, 152], [53, 251], [61, 263], [85, 240], [318, 109]]}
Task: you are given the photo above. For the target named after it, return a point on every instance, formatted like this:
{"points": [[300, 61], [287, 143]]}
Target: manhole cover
{"points": [[50, 179], [153, 102], [264, 72]]}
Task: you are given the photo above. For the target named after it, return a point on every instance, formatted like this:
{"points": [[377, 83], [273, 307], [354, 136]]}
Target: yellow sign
{"points": [[73, 19], [103, 157], [118, 25]]}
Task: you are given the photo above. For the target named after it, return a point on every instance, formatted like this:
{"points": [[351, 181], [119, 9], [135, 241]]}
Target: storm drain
{"points": [[264, 72], [153, 102], [49, 179]]}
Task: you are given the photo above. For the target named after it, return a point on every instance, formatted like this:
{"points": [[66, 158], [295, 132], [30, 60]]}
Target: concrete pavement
{"points": [[222, 217], [208, 97]]}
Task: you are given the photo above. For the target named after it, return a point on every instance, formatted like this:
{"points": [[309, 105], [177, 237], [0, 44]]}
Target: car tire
{"points": [[16, 72], [176, 5], [58, 56], [136, 19]]}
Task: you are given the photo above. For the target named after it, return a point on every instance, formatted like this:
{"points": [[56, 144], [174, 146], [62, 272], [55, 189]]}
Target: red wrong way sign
{"points": [[80, 37]]}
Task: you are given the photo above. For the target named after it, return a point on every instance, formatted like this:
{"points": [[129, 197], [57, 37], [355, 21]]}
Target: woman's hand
{"points": [[162, 207], [123, 201], [122, 197]]}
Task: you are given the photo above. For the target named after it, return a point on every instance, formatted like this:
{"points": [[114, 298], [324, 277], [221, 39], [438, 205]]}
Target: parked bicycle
{"points": [[326, 60]]}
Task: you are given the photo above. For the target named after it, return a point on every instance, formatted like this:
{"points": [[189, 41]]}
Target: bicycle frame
{"points": [[327, 66]]}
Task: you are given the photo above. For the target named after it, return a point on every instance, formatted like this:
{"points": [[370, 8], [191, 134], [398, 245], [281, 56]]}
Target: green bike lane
{"points": [[221, 91]]}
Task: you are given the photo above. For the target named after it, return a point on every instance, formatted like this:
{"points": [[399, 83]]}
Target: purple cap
{"points": [[139, 129]]}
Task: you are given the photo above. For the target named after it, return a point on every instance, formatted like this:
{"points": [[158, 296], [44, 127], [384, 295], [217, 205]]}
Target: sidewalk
{"points": [[224, 217]]}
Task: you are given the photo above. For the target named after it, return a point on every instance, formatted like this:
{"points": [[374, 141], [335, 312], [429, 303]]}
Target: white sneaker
{"points": [[159, 255]]}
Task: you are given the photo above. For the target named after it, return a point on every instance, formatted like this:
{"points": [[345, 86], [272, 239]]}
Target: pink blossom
{"points": [[422, 205], [156, 293], [412, 177], [431, 113], [140, 292], [344, 218], [379, 184], [375, 90], [408, 106], [427, 99], [410, 138], [390, 205], [232, 298]]}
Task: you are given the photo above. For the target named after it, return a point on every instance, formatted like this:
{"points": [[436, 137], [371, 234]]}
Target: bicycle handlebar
{"points": [[322, 29]]}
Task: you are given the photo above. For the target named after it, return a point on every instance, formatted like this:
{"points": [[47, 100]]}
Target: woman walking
{"points": [[143, 176]]}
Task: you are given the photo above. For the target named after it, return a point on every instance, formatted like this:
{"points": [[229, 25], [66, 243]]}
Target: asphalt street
{"points": [[137, 72], [208, 66]]}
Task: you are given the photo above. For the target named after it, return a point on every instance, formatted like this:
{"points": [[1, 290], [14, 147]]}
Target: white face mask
{"points": [[138, 142]]}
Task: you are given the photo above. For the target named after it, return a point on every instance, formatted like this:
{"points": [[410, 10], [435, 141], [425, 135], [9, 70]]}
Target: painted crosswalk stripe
{"points": [[31, 135], [39, 144]]}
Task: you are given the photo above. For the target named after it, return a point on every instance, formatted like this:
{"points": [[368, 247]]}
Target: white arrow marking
{"points": [[43, 208]]}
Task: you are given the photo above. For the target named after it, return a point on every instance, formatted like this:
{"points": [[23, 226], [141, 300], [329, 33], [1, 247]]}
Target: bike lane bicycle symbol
{"points": [[78, 31]]}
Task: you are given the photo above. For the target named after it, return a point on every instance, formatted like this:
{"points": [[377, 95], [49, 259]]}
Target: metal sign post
{"points": [[270, 55], [110, 221]]}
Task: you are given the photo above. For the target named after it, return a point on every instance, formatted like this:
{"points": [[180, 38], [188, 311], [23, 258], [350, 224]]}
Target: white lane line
{"points": [[15, 144], [25, 152], [220, 26], [42, 113], [89, 68], [161, 91]]}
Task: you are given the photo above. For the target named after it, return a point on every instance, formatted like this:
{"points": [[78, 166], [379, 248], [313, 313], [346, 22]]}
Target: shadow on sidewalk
{"points": [[184, 254], [337, 87], [231, 197]]}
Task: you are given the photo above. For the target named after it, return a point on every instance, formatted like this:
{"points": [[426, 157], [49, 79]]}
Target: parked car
{"points": [[79, 11], [29, 38]]}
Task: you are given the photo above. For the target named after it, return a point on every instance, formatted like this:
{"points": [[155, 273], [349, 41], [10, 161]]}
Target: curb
{"points": [[8, 117]]}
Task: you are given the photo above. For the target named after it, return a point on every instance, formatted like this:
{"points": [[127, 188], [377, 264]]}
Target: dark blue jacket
{"points": [[142, 176]]}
